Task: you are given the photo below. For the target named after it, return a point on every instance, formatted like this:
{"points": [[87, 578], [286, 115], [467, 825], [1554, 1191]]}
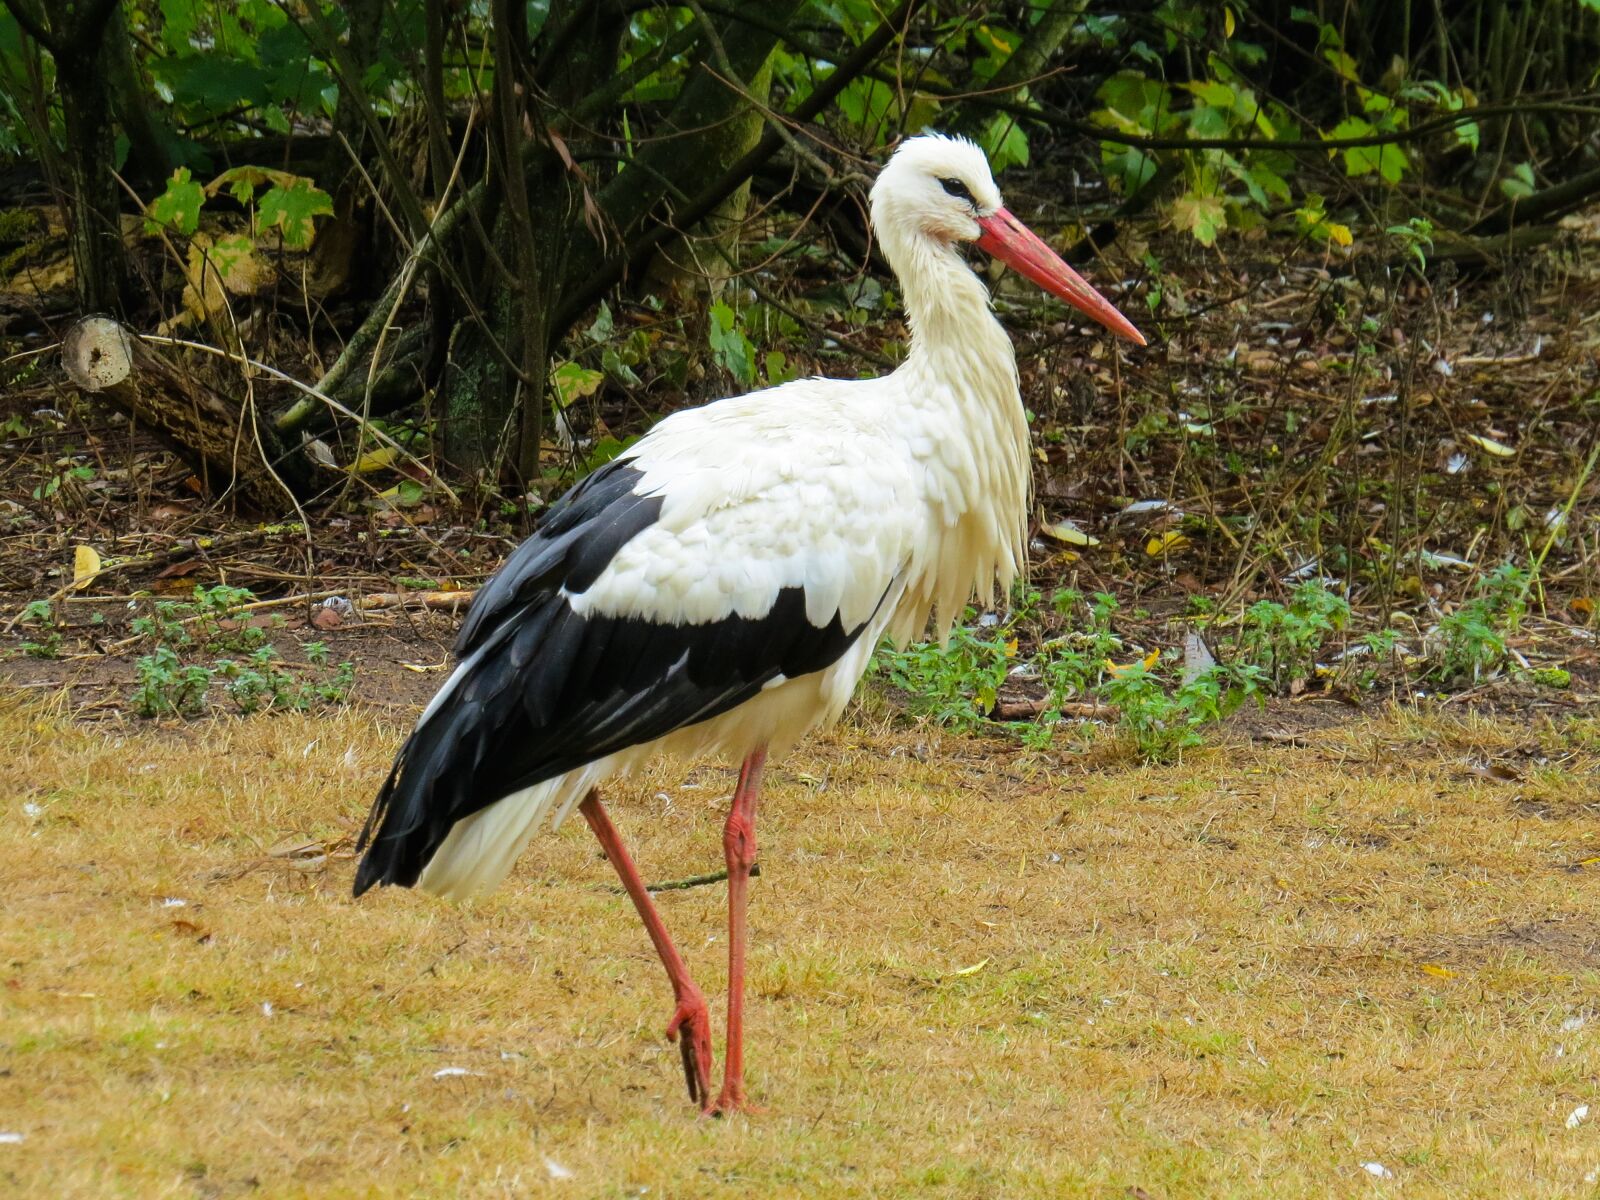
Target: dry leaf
{"points": [[1066, 531], [85, 566], [1169, 542], [1489, 446]]}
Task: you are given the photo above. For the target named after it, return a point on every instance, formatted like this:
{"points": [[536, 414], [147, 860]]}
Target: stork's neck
{"points": [[948, 308], [961, 413]]}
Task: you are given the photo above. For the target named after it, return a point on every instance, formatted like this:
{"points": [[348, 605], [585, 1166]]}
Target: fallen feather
{"points": [[557, 1171], [1377, 1170], [1577, 1116], [174, 902], [1140, 507], [451, 1072]]}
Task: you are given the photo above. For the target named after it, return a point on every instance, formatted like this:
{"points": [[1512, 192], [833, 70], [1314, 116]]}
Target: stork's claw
{"points": [[733, 1101], [693, 1019]]}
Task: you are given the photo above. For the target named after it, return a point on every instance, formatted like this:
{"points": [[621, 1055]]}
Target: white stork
{"points": [[720, 587]]}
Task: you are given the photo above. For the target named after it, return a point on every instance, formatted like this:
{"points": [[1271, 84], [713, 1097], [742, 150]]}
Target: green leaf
{"points": [[178, 207], [291, 208], [729, 345], [1203, 216], [1519, 185], [1004, 142], [572, 381]]}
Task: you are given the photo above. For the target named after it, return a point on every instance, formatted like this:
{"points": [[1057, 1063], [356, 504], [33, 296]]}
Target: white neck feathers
{"points": [[964, 424]]}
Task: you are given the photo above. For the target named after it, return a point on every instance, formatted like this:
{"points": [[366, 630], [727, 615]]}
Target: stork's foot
{"points": [[691, 1029], [733, 1101]]}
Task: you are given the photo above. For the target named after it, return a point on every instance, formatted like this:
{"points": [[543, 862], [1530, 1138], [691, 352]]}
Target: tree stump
{"points": [[212, 432]]}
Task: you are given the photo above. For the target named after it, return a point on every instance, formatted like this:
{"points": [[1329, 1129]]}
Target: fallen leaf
{"points": [[1489, 446], [972, 970], [327, 618], [1437, 971], [1148, 661], [85, 566], [1066, 531], [1170, 542]]}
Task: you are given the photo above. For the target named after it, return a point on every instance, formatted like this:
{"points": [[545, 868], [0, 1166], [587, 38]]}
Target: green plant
{"points": [[264, 682], [66, 481], [167, 686], [1470, 642], [42, 614], [1163, 721], [956, 684], [1283, 640], [164, 624]]}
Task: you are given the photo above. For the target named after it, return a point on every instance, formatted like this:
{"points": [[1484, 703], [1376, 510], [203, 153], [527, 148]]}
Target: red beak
{"points": [[1014, 244]]}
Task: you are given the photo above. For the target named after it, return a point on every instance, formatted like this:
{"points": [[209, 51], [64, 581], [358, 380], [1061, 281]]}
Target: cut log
{"points": [[212, 432]]}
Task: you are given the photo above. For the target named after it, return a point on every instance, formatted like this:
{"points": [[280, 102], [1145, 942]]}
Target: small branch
{"points": [[597, 284], [1027, 710], [693, 881], [429, 600], [1551, 202]]}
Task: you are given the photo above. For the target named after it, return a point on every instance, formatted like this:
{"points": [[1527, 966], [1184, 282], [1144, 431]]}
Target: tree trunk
{"points": [[149, 142], [211, 432], [99, 257], [494, 384]]}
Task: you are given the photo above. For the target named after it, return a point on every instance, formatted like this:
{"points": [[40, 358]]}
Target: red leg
{"points": [[739, 846], [691, 1015]]}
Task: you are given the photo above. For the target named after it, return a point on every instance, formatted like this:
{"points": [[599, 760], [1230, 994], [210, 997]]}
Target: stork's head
{"points": [[940, 188]]}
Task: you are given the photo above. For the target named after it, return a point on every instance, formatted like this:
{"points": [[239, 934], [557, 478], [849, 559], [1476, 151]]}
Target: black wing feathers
{"points": [[552, 690]]}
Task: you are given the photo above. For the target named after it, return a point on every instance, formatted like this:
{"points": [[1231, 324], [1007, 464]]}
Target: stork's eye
{"points": [[957, 189]]}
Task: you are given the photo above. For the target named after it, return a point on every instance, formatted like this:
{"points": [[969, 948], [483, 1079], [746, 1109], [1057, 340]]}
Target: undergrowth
{"points": [[177, 677], [1163, 699]]}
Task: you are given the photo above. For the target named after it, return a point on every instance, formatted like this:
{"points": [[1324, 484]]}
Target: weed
{"points": [[39, 612], [1163, 721], [1284, 640], [956, 684], [166, 686], [1470, 643]]}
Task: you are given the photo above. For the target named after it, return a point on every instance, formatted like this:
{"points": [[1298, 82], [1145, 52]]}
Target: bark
{"points": [[210, 431], [494, 382], [75, 38], [1037, 54], [149, 141]]}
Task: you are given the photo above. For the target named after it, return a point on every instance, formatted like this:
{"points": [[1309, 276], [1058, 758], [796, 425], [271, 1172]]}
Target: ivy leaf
{"points": [[292, 207], [178, 207]]}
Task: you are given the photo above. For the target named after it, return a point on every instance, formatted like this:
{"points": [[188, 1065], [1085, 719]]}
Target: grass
{"points": [[973, 976]]}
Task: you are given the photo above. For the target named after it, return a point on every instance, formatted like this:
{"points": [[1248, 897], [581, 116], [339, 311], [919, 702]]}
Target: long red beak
{"points": [[1014, 244]]}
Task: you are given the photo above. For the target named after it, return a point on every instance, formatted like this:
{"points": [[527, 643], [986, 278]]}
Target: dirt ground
{"points": [[1328, 961]]}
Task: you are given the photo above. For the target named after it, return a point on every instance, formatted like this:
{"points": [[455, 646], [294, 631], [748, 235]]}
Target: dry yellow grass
{"points": [[972, 976]]}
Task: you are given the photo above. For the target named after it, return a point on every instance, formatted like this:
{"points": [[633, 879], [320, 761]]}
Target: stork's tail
{"points": [[411, 837]]}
